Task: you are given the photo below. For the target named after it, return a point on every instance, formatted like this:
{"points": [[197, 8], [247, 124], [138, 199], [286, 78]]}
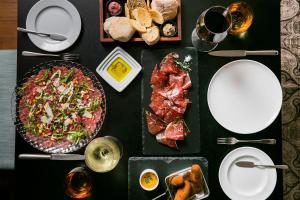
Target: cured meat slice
{"points": [[159, 104], [155, 125], [161, 138], [171, 115], [168, 65], [178, 79], [158, 79], [187, 82], [175, 130]]}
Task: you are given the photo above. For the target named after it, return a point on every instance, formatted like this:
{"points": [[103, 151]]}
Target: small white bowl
{"points": [[149, 171], [118, 52]]}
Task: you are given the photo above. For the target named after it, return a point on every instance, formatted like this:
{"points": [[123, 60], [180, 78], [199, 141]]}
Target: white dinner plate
{"points": [[244, 96], [247, 183], [55, 16]]}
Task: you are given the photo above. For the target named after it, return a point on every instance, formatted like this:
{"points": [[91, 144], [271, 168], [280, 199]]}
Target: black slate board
{"points": [[191, 144], [163, 166]]}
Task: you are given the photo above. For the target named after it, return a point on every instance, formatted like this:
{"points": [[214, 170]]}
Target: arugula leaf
{"points": [[68, 77], [75, 136], [94, 105], [57, 136], [44, 78], [81, 112]]}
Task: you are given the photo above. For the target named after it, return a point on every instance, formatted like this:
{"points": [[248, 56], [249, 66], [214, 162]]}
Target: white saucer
{"points": [[247, 183], [244, 96], [55, 16]]}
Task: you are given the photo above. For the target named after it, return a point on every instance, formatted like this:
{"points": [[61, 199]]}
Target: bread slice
{"points": [[156, 16], [134, 14], [137, 26], [144, 17], [133, 4], [152, 35], [127, 13]]}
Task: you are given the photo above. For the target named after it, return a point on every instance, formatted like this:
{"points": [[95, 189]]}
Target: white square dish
{"points": [[113, 56]]}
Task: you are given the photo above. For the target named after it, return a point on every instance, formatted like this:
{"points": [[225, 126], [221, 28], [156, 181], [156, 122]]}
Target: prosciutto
{"points": [[169, 101]]}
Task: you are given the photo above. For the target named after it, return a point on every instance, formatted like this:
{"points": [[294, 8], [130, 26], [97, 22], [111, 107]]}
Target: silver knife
{"points": [[53, 36], [248, 164], [51, 156], [242, 53]]}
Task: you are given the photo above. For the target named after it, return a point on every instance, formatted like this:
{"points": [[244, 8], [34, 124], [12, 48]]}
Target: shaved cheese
{"points": [[67, 122], [44, 119], [58, 72], [68, 90], [65, 105], [87, 114], [61, 89], [56, 82], [74, 116], [49, 112]]}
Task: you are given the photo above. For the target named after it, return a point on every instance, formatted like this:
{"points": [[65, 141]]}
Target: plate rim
{"points": [[241, 149], [220, 71], [34, 12]]}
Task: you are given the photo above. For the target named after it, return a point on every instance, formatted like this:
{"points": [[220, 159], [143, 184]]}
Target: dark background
{"points": [[44, 179]]}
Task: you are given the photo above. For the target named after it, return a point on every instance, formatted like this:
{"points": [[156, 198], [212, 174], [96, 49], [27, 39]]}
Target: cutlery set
{"points": [[53, 36]]}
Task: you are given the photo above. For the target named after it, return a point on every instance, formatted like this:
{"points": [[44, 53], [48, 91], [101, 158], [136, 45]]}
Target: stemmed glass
{"points": [[212, 27]]}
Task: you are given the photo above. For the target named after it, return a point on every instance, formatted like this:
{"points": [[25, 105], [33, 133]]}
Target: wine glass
{"points": [[103, 154], [212, 27]]}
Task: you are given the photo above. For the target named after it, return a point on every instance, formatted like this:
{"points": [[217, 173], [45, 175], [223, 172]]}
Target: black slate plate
{"points": [[163, 167], [191, 144]]}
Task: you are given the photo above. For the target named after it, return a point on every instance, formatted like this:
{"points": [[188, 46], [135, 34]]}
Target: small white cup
{"points": [[150, 171]]}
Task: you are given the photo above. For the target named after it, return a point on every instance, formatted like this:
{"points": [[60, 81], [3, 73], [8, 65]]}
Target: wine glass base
{"points": [[202, 45]]}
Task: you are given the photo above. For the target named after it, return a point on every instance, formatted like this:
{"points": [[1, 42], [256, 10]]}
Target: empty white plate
{"points": [[55, 16], [244, 96], [247, 183]]}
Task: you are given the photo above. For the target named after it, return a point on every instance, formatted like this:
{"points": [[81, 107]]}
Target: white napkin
{"points": [[8, 73]]}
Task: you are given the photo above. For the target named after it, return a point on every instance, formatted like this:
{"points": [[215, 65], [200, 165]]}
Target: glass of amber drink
{"points": [[242, 17]]}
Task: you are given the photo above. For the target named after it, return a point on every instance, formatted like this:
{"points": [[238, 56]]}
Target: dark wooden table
{"points": [[44, 179]]}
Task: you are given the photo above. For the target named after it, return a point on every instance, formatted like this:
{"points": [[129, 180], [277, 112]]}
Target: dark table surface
{"points": [[44, 179]]}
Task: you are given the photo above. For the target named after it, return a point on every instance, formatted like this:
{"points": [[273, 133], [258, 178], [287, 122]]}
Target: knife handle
{"points": [[263, 52], [34, 156]]}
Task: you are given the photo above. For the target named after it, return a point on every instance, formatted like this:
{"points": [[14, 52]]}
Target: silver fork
{"points": [[232, 140], [64, 56]]}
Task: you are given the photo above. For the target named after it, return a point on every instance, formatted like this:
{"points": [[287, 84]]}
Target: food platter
{"points": [[151, 142], [165, 168], [104, 37], [58, 145]]}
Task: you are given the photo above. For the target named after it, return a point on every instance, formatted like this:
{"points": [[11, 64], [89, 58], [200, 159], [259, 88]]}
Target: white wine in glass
{"points": [[103, 154]]}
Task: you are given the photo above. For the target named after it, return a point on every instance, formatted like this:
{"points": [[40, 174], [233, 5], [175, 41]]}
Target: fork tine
{"points": [[221, 143]]}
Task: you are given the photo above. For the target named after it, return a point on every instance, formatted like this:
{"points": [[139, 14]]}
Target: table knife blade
{"points": [[51, 157], [228, 53], [242, 53], [245, 164]]}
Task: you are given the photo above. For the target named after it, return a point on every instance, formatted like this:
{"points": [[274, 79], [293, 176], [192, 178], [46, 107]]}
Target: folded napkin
{"points": [[8, 72]]}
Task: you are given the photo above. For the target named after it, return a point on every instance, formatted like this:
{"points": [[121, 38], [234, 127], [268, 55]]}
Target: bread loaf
{"points": [[119, 28], [168, 8]]}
